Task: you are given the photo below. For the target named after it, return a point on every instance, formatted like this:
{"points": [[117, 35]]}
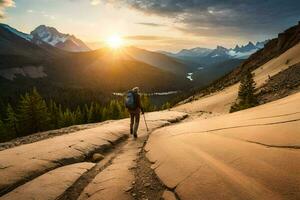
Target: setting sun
{"points": [[115, 41]]}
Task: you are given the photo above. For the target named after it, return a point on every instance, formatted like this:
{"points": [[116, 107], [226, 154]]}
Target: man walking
{"points": [[133, 104]]}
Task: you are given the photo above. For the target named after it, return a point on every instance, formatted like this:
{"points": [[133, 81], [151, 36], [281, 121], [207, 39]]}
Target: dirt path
{"points": [[65, 168], [146, 184], [126, 175]]}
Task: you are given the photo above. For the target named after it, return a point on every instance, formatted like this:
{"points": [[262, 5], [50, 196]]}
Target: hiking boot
{"points": [[131, 131]]}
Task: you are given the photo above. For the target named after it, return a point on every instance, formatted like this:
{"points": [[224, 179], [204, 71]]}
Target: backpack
{"points": [[130, 101]]}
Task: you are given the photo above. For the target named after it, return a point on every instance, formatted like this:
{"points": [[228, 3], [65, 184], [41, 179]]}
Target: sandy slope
{"points": [[221, 101], [252, 154]]}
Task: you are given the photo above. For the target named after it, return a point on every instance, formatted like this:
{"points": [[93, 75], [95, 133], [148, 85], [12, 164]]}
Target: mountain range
{"points": [[32, 60], [207, 57]]}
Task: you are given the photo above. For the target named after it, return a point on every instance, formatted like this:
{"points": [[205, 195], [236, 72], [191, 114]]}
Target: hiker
{"points": [[133, 104]]}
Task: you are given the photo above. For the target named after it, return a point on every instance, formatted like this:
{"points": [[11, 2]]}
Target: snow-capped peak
{"points": [[245, 51], [60, 40], [49, 35], [198, 51]]}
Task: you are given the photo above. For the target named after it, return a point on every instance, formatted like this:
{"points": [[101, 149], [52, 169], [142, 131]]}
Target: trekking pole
{"points": [[145, 121]]}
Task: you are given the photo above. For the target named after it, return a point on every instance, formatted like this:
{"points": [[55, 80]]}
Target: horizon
{"points": [[160, 25], [105, 43]]}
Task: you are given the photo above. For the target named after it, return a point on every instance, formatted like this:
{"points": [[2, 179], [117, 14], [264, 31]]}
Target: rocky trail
{"points": [[103, 162]]}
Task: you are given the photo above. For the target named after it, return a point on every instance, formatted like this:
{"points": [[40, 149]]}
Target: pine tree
{"points": [[89, 113], [146, 103], [105, 114], [11, 121], [114, 109], [33, 112], [60, 120], [246, 97], [54, 114], [78, 116], [123, 110], [166, 105], [98, 111], [69, 118]]}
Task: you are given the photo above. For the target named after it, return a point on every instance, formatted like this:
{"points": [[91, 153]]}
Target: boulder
{"points": [[97, 157]]}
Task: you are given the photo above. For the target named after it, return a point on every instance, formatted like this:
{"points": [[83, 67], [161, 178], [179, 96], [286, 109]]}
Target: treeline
{"points": [[32, 113]]}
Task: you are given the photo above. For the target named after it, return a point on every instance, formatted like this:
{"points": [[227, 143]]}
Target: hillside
{"points": [[205, 76], [25, 64], [108, 70], [158, 60]]}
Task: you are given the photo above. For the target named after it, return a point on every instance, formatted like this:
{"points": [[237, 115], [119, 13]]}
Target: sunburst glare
{"points": [[115, 41]]}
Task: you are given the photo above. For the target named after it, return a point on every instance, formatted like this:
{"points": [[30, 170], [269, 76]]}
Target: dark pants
{"points": [[134, 122]]}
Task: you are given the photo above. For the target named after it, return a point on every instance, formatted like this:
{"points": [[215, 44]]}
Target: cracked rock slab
{"points": [[249, 154], [50, 185], [23, 163], [114, 182]]}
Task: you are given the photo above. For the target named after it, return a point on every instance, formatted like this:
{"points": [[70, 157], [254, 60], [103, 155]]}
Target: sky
{"points": [[168, 25]]}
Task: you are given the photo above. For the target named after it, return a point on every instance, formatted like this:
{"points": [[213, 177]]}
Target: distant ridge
{"points": [[207, 57]]}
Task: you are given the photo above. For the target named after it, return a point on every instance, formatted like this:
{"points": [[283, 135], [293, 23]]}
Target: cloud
{"points": [[5, 4], [232, 17], [146, 37], [150, 24], [48, 16], [94, 2]]}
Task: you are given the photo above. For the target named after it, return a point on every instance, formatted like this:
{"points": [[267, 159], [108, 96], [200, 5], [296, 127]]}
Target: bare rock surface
{"points": [[23, 163], [115, 181], [48, 134], [50, 185], [168, 195], [251, 154]]}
